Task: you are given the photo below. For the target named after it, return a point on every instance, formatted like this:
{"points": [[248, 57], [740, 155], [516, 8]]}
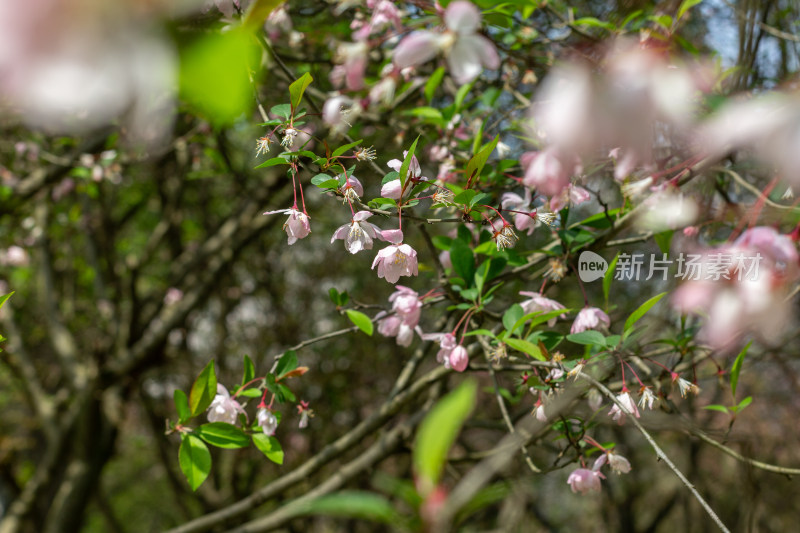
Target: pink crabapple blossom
{"points": [[590, 318], [584, 480], [296, 226], [467, 51], [267, 421], [395, 261], [223, 408], [450, 354], [358, 234], [628, 407], [537, 302]]}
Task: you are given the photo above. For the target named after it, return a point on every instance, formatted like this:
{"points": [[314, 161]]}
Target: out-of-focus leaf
{"points": [[588, 338], [438, 432], [214, 75], [737, 368], [353, 504]]}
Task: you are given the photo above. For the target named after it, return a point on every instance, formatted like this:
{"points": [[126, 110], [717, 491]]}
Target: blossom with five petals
{"points": [[358, 234], [395, 261], [467, 51], [223, 408]]}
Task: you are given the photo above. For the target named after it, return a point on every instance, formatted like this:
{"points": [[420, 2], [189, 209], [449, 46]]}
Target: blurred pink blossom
{"points": [[467, 51], [590, 318]]}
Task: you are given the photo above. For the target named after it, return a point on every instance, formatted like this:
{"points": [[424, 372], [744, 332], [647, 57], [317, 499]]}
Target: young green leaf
{"points": [[463, 261], [286, 363], [361, 320], [269, 446], [737, 368], [353, 504], [342, 149], [641, 310], [589, 338], [609, 276], [194, 459], [407, 163], [4, 298], [223, 435], [511, 317], [526, 348], [438, 432], [298, 87], [433, 82], [249, 370], [181, 405], [203, 390], [478, 161]]}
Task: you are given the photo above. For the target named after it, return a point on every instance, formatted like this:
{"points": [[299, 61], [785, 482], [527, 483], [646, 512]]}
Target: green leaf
{"points": [[4, 298], [737, 368], [464, 197], [640, 312], [286, 363], [686, 5], [664, 240], [322, 178], [609, 277], [298, 87], [593, 22], [478, 161], [269, 446], [342, 149], [715, 407], [282, 110], [223, 435], [512, 317], [526, 347], [273, 162], [425, 112], [249, 370], [251, 393], [361, 320], [194, 459], [438, 432], [589, 338], [353, 504], [484, 332], [744, 403], [481, 274], [463, 260], [539, 317], [407, 162], [433, 82], [181, 405], [203, 390], [461, 94], [286, 393], [257, 13], [214, 74]]}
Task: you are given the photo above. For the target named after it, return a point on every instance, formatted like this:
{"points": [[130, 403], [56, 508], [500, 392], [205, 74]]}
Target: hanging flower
{"points": [[395, 261], [297, 226], [267, 420], [358, 234], [467, 51], [223, 408], [590, 318]]}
